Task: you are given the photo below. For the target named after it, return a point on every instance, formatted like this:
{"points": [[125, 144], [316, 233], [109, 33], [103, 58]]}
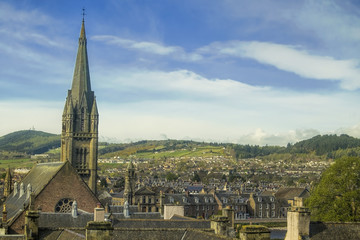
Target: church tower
{"points": [[79, 136], [130, 180]]}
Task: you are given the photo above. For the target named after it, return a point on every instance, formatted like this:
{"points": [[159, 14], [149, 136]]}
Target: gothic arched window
{"points": [[64, 205]]}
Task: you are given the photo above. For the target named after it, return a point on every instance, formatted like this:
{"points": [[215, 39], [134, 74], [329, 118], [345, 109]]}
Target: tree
{"points": [[120, 183], [103, 182], [337, 196], [170, 176], [196, 177]]}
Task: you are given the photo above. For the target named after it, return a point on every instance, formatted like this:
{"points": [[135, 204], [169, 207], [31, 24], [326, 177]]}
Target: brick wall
{"points": [[65, 184]]}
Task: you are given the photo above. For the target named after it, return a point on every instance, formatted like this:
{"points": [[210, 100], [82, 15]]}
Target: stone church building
{"points": [[56, 186]]}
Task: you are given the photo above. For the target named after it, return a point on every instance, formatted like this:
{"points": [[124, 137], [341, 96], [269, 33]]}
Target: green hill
{"points": [[325, 144], [36, 142], [29, 141]]}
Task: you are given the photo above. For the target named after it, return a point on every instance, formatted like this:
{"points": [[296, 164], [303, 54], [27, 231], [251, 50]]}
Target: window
{"points": [[171, 200], [272, 199], [260, 213], [184, 199], [267, 206], [259, 199], [273, 214], [211, 200], [196, 200], [64, 205], [273, 206], [82, 119], [206, 199], [260, 206]]}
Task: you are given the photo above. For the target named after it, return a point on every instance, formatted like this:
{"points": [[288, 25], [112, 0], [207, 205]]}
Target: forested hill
{"points": [[325, 144], [36, 142], [29, 141]]}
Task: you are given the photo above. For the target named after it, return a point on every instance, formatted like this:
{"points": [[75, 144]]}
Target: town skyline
{"points": [[225, 72]]}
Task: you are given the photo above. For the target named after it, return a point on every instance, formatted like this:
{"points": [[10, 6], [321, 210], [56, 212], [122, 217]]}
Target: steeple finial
{"points": [[83, 14]]}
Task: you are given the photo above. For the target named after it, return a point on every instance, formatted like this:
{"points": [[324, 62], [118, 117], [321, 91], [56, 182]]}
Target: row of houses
{"points": [[203, 204]]}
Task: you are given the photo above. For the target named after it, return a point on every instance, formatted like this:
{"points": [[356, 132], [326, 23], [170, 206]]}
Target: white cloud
{"points": [[149, 47], [9, 14], [183, 104], [199, 108], [292, 59]]}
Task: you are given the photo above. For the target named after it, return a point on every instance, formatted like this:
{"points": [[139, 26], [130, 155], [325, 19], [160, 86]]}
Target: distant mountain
{"points": [[29, 141]]}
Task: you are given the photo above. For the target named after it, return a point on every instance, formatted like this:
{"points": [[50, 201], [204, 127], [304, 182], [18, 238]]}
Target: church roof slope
{"points": [[38, 177]]}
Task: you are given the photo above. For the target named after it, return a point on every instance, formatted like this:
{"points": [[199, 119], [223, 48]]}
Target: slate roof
{"points": [[193, 199], [38, 177], [338, 231], [64, 234], [291, 193]]}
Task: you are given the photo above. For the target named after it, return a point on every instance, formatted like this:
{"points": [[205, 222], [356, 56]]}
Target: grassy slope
{"points": [[29, 141]]}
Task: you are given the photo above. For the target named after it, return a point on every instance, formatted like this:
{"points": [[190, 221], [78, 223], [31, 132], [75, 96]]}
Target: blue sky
{"points": [[256, 72]]}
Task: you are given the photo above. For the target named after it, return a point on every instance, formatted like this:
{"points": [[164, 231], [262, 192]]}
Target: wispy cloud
{"points": [[10, 14], [149, 47], [292, 59]]}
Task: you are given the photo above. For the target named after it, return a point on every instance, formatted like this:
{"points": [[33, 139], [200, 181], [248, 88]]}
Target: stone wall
{"points": [[12, 237], [171, 210]]}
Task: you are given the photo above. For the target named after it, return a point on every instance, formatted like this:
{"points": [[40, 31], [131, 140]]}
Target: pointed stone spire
{"points": [[7, 183], [94, 110], [79, 136], [130, 165], [81, 79]]}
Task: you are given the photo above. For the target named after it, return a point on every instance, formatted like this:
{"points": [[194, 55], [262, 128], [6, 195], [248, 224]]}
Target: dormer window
{"points": [[171, 199], [206, 199]]}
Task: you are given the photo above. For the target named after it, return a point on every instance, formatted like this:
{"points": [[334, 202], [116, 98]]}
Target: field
{"points": [[17, 163]]}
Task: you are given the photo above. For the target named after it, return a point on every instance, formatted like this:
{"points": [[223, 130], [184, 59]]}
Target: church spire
{"points": [[81, 79], [79, 136]]}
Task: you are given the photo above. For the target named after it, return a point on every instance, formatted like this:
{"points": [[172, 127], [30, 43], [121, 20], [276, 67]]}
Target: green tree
{"points": [[170, 176], [337, 196], [196, 177], [120, 183], [103, 183]]}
